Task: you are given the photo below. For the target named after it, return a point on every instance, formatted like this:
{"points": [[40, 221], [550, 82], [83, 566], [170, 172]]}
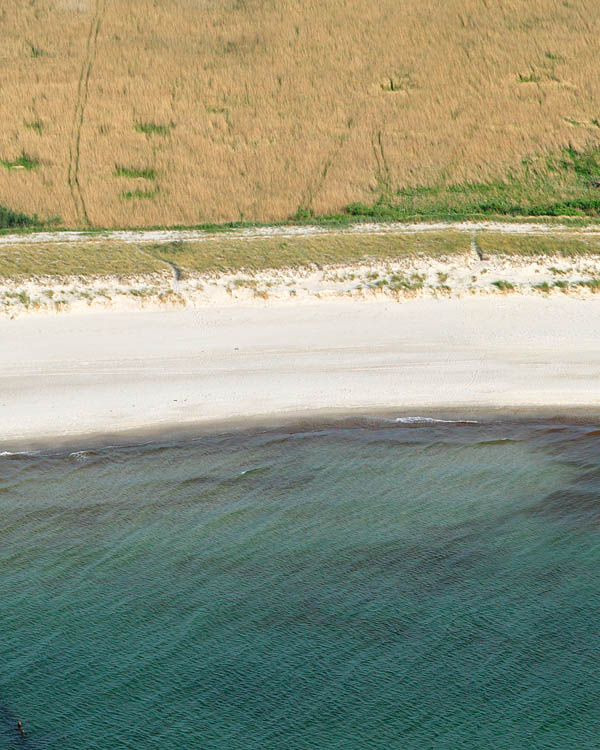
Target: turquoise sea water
{"points": [[374, 584]]}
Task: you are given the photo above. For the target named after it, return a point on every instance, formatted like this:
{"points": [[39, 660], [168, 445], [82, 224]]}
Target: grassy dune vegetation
{"points": [[226, 255], [110, 258], [76, 259], [183, 112], [230, 255], [561, 245]]}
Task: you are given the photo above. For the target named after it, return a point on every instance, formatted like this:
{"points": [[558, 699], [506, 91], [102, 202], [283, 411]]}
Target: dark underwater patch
{"points": [[569, 505]]}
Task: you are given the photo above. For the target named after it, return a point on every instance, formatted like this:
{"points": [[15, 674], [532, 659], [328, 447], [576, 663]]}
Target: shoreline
{"points": [[80, 378], [301, 422]]}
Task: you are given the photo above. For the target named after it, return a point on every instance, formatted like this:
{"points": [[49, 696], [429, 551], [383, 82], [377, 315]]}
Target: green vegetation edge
{"points": [[561, 187]]}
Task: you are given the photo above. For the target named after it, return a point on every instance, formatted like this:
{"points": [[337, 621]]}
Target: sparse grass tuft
{"points": [[146, 174], [152, 128], [25, 161], [35, 51], [131, 195], [504, 286], [591, 284], [36, 125], [530, 77], [399, 283], [14, 219]]}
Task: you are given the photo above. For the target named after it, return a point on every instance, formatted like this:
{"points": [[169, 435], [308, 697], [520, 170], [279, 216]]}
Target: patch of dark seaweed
{"points": [[589, 476], [568, 505], [446, 560], [591, 437], [196, 482], [93, 514], [247, 476], [551, 575], [194, 565], [395, 442], [364, 629], [494, 442], [264, 479], [282, 483]]}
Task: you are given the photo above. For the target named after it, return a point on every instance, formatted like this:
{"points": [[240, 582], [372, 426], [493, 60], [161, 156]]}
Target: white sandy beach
{"points": [[104, 372]]}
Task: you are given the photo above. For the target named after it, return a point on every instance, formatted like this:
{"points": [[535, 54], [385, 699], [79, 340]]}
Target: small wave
{"points": [[496, 441], [431, 420], [17, 454], [250, 472], [82, 454]]}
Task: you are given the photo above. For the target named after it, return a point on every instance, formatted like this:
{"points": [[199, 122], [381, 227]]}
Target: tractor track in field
{"points": [[78, 115]]}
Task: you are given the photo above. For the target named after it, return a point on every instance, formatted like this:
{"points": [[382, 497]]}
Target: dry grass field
{"points": [[169, 112]]}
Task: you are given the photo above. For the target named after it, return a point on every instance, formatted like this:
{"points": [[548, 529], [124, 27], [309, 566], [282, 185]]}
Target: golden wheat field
{"points": [[164, 112]]}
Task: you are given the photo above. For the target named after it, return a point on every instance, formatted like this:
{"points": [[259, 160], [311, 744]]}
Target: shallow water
{"points": [[371, 584]]}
